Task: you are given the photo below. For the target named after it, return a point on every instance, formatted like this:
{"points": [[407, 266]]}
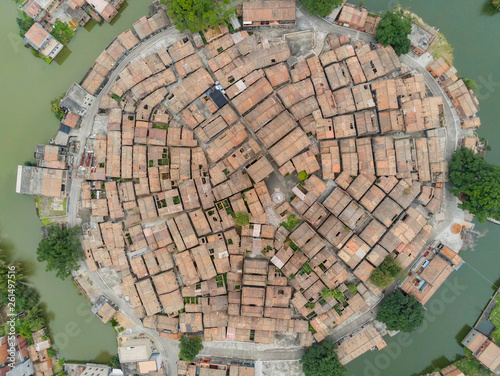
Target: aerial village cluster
{"points": [[422, 37], [191, 133], [74, 13], [31, 355]]}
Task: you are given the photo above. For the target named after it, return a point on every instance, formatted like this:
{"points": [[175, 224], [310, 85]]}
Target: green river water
{"points": [[27, 85]]}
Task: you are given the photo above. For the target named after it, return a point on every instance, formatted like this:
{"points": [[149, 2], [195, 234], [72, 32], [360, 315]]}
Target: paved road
{"points": [[168, 348], [243, 350], [250, 353]]}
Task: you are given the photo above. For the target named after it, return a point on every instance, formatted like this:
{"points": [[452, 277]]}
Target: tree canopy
{"points": [[61, 250], [242, 218], [302, 175], [290, 222], [321, 7], [496, 4], [197, 15], [401, 312], [56, 110], [384, 274], [321, 360], [469, 83], [26, 298], [393, 29], [326, 293], [24, 22], [477, 184], [189, 347], [115, 362]]}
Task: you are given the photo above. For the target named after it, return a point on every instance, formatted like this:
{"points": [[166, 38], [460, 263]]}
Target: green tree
{"points": [[302, 175], [496, 4], [321, 7], [242, 218], [24, 329], [384, 274], [321, 360], [477, 184], [393, 29], [26, 296], [189, 347], [291, 222], [24, 22], [61, 250], [326, 293], [197, 15], [114, 362], [35, 318], [401, 312], [56, 110], [469, 83]]}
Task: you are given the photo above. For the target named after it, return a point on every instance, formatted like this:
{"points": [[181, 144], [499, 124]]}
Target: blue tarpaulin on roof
{"points": [[219, 98], [64, 129]]}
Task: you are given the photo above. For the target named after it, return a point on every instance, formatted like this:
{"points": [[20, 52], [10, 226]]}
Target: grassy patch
{"points": [[291, 222], [49, 207], [62, 32], [352, 288], [306, 268], [311, 329], [495, 319], [160, 126], [471, 366], [294, 246], [116, 97], [242, 218], [46, 222], [441, 48]]}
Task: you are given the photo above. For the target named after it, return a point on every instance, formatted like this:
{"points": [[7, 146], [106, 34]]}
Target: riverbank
{"points": [[20, 208], [487, 324], [24, 329], [26, 80], [60, 20], [440, 47], [110, 82]]}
